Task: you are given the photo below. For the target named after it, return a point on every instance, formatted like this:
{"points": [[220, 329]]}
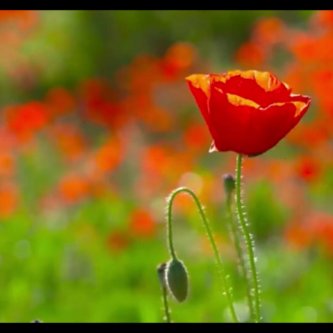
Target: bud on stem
{"points": [[176, 277], [229, 183]]}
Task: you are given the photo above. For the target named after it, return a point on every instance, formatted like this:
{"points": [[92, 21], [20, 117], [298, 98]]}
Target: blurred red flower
{"points": [[251, 54], [117, 241], [247, 112], [314, 133], [7, 164], [298, 236], [26, 119], [196, 136], [323, 19], [308, 168], [142, 223], [9, 198], [108, 156], [314, 229], [270, 30], [23, 18], [69, 140], [178, 58], [60, 102], [99, 103], [73, 188]]}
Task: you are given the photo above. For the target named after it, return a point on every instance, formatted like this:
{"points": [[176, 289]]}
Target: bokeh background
{"points": [[98, 127]]}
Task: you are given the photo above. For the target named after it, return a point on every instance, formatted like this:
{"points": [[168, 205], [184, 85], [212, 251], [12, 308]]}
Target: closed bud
{"points": [[229, 183], [176, 277]]}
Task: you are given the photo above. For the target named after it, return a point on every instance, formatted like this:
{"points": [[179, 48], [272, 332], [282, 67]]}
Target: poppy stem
{"points": [[161, 274], [171, 246], [227, 290], [167, 317], [248, 238], [240, 254]]}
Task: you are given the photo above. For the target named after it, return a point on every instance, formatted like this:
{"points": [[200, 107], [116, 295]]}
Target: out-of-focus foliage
{"points": [[97, 127]]}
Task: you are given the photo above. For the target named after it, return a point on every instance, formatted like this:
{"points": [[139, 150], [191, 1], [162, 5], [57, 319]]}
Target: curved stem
{"points": [[171, 246], [240, 255], [249, 242], [227, 290]]}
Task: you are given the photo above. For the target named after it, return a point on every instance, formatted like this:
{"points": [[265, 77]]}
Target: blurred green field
{"points": [[98, 127]]}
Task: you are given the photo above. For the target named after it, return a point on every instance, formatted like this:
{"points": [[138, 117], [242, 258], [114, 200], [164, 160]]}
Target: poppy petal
{"points": [[229, 128], [262, 87]]}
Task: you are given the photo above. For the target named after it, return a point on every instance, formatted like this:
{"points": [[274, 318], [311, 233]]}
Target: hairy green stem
{"points": [[167, 317], [240, 255], [249, 242], [227, 289], [161, 277]]}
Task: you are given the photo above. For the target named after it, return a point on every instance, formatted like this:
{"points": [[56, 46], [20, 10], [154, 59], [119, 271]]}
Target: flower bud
{"points": [[229, 183], [176, 277]]}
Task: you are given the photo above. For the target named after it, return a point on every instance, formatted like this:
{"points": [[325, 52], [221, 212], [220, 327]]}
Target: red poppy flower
{"points": [[247, 112]]}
